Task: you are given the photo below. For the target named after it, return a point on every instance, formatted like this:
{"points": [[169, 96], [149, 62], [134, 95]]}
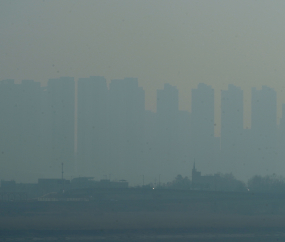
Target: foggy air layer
{"points": [[209, 88], [116, 138]]}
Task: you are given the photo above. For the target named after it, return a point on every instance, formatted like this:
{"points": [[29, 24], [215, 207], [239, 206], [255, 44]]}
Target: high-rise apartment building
{"points": [[9, 128], [204, 144], [264, 128], [231, 116], [167, 142], [57, 129], [20, 130], [126, 125], [232, 135], [92, 127], [280, 164], [29, 136]]}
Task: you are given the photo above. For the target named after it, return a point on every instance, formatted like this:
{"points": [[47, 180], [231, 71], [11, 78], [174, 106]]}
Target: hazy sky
{"points": [[158, 41]]}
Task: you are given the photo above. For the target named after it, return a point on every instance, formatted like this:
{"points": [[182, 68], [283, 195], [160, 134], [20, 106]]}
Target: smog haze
{"points": [[165, 51]]}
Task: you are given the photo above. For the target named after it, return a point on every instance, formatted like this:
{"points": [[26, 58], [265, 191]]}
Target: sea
{"points": [[157, 235]]}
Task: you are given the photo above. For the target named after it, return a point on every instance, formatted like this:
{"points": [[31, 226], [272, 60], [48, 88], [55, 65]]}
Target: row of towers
{"points": [[117, 138]]}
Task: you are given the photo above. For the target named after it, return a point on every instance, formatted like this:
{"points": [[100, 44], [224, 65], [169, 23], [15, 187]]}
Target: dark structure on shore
{"points": [[216, 182]]}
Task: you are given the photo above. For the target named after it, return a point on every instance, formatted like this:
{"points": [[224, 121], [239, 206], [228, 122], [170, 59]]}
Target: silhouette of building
{"points": [[167, 126], [264, 110], [57, 129], [126, 112], [167, 102], [203, 111], [150, 165], [201, 182], [263, 128], [280, 165], [216, 182], [9, 128], [172, 134], [92, 123], [29, 136], [232, 135], [231, 116], [20, 129], [204, 143]]}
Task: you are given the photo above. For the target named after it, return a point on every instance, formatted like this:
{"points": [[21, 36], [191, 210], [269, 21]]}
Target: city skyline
{"points": [[142, 120], [117, 136], [179, 42]]}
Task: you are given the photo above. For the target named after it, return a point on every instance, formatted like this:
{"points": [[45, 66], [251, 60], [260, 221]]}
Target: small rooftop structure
{"points": [[202, 182]]}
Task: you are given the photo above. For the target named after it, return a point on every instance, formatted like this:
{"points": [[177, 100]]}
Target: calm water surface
{"points": [[241, 235]]}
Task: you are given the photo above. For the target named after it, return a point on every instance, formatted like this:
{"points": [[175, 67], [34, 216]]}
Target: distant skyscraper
{"points": [[9, 129], [281, 144], [263, 127], [264, 110], [232, 116], [204, 144], [126, 123], [29, 136], [92, 132], [167, 101], [149, 139], [202, 112], [282, 120], [20, 130], [58, 103], [232, 128], [167, 127], [167, 112]]}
